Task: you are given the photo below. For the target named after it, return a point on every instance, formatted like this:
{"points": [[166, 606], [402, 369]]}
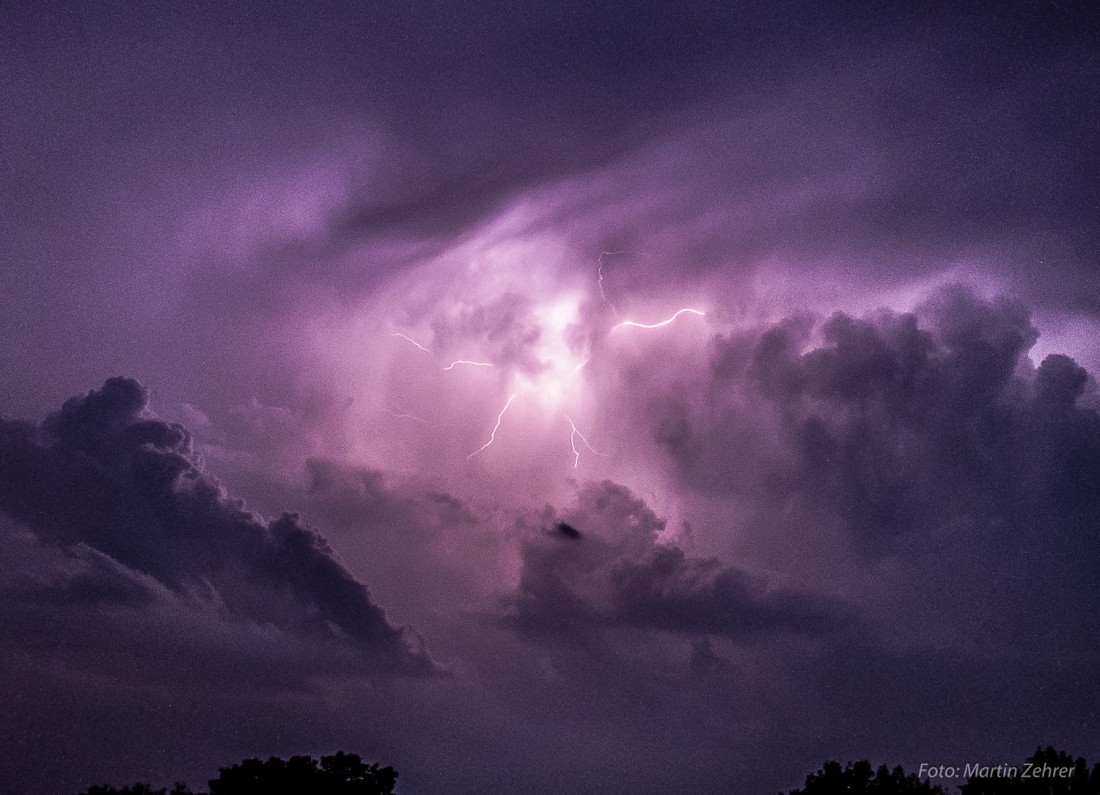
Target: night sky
{"points": [[539, 398]]}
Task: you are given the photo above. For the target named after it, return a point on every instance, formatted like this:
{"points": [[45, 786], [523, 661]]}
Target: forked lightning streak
{"points": [[573, 443], [493, 435], [450, 366]]}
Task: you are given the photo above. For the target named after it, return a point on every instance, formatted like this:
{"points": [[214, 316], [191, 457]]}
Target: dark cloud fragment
{"points": [[101, 474], [565, 530]]}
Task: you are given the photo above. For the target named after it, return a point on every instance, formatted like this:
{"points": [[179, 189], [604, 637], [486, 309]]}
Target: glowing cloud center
{"points": [[555, 381], [552, 385]]}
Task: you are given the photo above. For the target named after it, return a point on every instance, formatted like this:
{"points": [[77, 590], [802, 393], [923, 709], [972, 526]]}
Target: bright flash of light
{"points": [[660, 324], [573, 443], [553, 382], [493, 435]]}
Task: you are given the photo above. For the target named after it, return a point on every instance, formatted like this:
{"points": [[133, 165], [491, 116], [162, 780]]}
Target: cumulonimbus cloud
{"points": [[898, 425]]}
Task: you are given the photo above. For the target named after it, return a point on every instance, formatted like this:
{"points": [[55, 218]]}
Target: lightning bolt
{"points": [[658, 325], [467, 361], [599, 279], [573, 443], [450, 366], [575, 433], [493, 435], [414, 342]]}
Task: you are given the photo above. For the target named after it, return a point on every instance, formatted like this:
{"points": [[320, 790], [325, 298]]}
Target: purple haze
{"points": [[341, 411]]}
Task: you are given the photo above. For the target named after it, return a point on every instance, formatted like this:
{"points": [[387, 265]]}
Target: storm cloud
{"points": [[845, 507], [123, 491], [615, 573], [905, 426]]}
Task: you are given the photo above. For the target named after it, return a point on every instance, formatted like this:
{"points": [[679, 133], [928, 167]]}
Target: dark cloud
{"points": [[616, 573], [919, 460], [566, 530], [76, 575], [77, 618], [102, 476], [899, 424], [389, 529]]}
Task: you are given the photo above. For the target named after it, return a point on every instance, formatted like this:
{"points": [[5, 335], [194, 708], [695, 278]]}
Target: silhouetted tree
{"points": [[859, 778], [339, 774], [1047, 772], [138, 789], [347, 773]]}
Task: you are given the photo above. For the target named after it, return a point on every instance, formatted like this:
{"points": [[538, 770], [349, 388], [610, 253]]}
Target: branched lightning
{"points": [[450, 366], [658, 325], [493, 435], [559, 357], [573, 442]]}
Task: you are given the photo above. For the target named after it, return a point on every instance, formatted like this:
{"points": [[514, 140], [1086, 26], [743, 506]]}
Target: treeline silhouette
{"points": [[339, 774], [861, 777], [1046, 772]]}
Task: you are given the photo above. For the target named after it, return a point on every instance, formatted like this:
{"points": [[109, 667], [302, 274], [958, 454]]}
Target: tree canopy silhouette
{"points": [[138, 789], [1046, 772], [860, 778], [339, 774]]}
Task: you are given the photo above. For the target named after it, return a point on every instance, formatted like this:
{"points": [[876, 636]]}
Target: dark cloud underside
{"points": [[100, 474]]}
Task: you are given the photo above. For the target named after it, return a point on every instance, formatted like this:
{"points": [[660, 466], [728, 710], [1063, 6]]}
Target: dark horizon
{"points": [[610, 398]]}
